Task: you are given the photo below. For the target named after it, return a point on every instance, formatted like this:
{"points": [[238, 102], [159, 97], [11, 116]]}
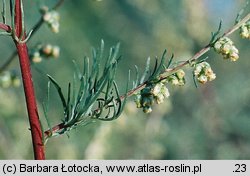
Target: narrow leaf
{"points": [[170, 61], [146, 70], [59, 91]]}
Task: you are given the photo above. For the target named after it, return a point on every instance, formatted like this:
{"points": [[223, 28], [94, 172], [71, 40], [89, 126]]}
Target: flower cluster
{"points": [[51, 17], [203, 72], [226, 47], [151, 94], [8, 79], [44, 51], [245, 30], [177, 78]]}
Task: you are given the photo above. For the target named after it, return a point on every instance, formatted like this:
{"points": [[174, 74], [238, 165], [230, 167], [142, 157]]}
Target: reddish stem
{"points": [[22, 51]]}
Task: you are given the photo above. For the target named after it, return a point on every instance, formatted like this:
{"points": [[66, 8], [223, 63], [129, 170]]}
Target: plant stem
{"points": [[58, 4], [22, 52], [165, 73], [35, 127]]}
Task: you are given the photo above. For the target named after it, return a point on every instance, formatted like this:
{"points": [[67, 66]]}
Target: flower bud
{"points": [[55, 52], [208, 71], [5, 79], [47, 17], [182, 82], [245, 30], [180, 74], [234, 57], [202, 79], [234, 54], [138, 101], [36, 58], [52, 19], [159, 98], [149, 95], [227, 40], [197, 69], [173, 80], [16, 82], [55, 27], [147, 109], [211, 76], [44, 9], [147, 101], [225, 47], [203, 72], [157, 89], [47, 49], [165, 92], [217, 46]]}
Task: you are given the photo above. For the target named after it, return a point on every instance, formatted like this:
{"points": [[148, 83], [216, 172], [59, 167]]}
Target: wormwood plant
{"points": [[94, 94]]}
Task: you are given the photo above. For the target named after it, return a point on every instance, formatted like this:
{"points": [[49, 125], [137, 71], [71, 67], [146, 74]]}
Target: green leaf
{"points": [[241, 12], [146, 71], [136, 82], [67, 110], [160, 67], [170, 61], [59, 91], [94, 90], [46, 108], [215, 34], [195, 82]]}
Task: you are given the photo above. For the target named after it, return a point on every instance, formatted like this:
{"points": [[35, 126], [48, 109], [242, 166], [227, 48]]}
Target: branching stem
{"points": [[165, 73]]}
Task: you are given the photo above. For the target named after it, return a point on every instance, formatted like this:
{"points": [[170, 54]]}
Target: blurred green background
{"points": [[211, 122]]}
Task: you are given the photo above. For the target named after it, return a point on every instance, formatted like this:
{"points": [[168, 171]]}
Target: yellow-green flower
{"points": [[245, 30], [226, 47], [203, 72]]}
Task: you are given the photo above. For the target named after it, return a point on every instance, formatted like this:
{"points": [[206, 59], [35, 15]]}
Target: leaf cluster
{"points": [[152, 76], [97, 96]]}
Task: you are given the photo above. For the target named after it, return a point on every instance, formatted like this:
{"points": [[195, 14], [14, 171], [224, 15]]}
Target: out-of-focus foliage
{"points": [[211, 122]]}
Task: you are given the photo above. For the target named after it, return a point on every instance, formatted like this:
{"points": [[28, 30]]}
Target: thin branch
{"points": [[58, 4], [163, 75], [237, 26], [204, 50], [35, 28]]}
